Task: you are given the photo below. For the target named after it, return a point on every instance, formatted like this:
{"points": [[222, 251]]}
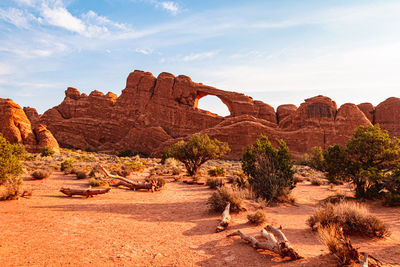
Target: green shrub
{"points": [[353, 217], [269, 169], [95, 182], [47, 151], [67, 164], [336, 164], [126, 153], [215, 182], [223, 196], [217, 171], [369, 158], [316, 160], [136, 165], [41, 174], [258, 217], [196, 151], [10, 169]]}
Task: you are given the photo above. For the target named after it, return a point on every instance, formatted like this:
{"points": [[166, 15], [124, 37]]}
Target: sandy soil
{"points": [[172, 227]]}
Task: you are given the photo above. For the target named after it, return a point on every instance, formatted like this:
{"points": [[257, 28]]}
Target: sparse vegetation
{"points": [[217, 171], [269, 169], [10, 169], [317, 181], [316, 159], [225, 194], [95, 182], [351, 216], [240, 180], [196, 151], [126, 153], [215, 182], [67, 165], [336, 164], [41, 174], [257, 217], [47, 151]]}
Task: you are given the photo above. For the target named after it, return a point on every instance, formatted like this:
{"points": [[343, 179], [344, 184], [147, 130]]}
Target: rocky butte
{"points": [[152, 113]]}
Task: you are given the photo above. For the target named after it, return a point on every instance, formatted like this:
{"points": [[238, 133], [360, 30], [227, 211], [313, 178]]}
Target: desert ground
{"points": [[170, 227]]}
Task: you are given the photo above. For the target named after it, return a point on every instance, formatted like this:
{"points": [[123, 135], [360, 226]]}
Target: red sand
{"points": [[172, 227]]}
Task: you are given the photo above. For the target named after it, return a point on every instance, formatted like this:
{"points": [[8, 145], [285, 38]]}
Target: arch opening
{"points": [[213, 104]]}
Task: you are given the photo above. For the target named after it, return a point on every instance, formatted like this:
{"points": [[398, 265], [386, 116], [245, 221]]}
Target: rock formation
{"points": [[16, 128], [152, 113]]}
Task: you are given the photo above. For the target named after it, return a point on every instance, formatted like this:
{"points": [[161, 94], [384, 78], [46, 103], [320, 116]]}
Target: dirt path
{"points": [[172, 227]]}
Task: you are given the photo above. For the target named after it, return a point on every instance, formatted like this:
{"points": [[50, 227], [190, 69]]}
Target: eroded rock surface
{"points": [[16, 128], [152, 113]]}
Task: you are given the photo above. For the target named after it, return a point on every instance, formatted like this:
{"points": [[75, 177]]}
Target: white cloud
{"points": [[170, 6], [59, 16]]}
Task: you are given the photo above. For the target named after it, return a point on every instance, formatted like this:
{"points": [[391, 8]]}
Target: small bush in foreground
{"points": [[257, 217], [135, 166], [41, 174], [217, 171], [215, 182], [353, 217], [240, 180], [80, 175], [222, 197]]}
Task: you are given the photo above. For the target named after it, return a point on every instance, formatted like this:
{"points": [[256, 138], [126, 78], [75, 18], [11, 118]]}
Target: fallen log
{"points": [[84, 192], [276, 242], [285, 248], [226, 219], [133, 185]]}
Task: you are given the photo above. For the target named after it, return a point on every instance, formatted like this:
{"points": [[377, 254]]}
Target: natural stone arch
{"points": [[203, 94]]}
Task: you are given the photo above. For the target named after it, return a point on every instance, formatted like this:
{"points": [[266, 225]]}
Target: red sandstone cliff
{"points": [[16, 128], [152, 113]]}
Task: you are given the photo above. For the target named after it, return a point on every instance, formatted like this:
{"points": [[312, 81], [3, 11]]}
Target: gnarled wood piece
{"points": [[134, 185], [84, 192], [251, 240], [226, 219], [276, 241], [283, 243]]}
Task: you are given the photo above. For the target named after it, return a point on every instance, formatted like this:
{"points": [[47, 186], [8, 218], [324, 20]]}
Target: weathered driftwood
{"points": [[84, 192], [226, 219], [276, 241], [133, 185]]}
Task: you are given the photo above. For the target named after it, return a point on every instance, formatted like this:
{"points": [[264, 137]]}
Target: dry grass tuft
{"points": [[225, 194], [41, 174], [215, 182], [257, 217], [352, 217]]}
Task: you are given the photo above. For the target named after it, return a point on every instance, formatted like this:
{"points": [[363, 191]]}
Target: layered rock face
{"points": [[16, 128], [152, 113]]}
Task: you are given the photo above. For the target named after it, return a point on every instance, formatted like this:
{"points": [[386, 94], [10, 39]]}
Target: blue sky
{"points": [[275, 51]]}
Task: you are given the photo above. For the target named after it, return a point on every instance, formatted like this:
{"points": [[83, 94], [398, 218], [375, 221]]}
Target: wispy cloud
{"points": [[145, 51], [17, 17], [199, 56]]}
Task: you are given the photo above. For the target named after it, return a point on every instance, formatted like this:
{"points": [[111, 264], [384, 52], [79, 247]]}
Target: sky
{"points": [[279, 52]]}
